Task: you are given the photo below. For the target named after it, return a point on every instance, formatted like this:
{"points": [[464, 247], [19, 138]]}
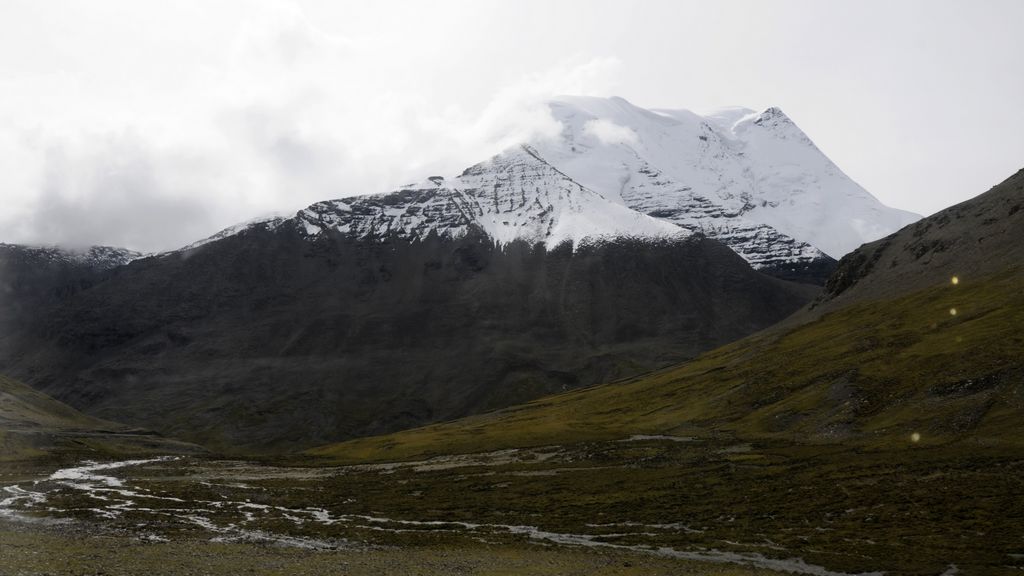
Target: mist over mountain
{"points": [[511, 287], [631, 240], [752, 180]]}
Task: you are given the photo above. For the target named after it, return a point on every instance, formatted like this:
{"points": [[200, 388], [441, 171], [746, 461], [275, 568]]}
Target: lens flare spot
{"points": [[955, 280], [915, 437], [952, 311]]}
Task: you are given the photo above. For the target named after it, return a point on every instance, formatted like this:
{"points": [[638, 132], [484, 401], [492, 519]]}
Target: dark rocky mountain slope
{"points": [[976, 238], [267, 338], [32, 276]]}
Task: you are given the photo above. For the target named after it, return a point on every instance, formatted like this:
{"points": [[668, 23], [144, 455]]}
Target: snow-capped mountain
{"points": [[515, 195], [752, 180], [96, 257]]}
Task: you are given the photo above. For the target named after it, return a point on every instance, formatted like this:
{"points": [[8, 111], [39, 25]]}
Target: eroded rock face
{"points": [[33, 277], [515, 196]]}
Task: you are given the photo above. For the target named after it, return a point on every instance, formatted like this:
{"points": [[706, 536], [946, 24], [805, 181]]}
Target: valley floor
{"points": [[75, 550], [175, 515], [638, 505]]}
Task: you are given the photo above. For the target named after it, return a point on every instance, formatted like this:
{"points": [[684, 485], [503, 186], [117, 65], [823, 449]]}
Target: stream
{"points": [[102, 493]]}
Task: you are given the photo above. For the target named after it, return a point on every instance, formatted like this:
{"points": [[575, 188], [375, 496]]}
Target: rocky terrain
{"points": [[972, 240]]}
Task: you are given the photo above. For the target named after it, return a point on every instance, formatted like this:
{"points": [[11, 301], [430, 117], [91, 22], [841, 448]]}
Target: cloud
{"points": [[609, 132], [116, 189], [280, 115]]}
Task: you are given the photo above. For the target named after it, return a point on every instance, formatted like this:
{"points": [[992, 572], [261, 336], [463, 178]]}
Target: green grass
{"points": [[36, 551], [24, 406], [805, 437], [800, 447], [34, 426]]}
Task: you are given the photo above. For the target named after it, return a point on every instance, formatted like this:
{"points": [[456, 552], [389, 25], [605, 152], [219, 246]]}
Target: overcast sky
{"points": [[152, 124]]}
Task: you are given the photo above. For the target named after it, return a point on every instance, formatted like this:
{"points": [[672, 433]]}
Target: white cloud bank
{"points": [[608, 132], [152, 124], [156, 149]]}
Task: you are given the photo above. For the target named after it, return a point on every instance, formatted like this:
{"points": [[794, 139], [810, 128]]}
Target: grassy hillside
{"points": [[976, 238], [34, 426], [883, 437], [871, 374]]}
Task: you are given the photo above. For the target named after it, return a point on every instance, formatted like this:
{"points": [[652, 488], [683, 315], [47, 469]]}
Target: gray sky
{"points": [[152, 124]]}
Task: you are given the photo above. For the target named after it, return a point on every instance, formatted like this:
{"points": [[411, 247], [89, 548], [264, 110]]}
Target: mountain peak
{"points": [[729, 173], [772, 113], [752, 180], [516, 195]]}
